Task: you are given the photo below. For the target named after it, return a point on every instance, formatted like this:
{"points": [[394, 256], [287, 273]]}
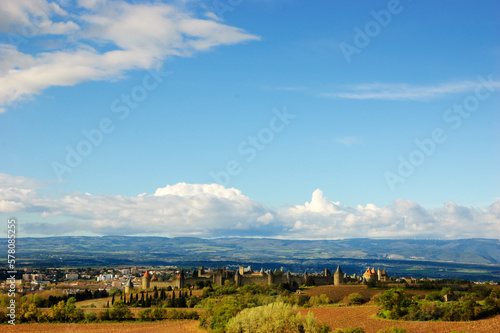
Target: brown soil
{"points": [[364, 316], [174, 326], [338, 293]]}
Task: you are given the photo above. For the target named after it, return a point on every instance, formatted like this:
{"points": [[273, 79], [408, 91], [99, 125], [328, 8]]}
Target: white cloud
{"points": [[211, 210], [106, 39], [266, 218], [29, 18], [385, 91]]}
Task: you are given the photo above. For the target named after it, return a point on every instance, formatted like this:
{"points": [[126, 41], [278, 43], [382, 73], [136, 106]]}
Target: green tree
{"points": [[355, 299], [120, 312], [145, 315], [274, 317], [395, 304], [73, 314]]}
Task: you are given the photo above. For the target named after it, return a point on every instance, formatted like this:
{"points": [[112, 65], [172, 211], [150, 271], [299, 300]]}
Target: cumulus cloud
{"points": [[104, 39], [33, 17], [211, 210]]}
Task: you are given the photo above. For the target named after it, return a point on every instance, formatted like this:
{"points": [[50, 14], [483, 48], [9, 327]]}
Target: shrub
{"points": [[395, 304], [3, 317], [435, 296], [120, 311], [350, 330], [145, 315], [355, 299], [104, 315], [392, 330], [319, 300], [299, 300], [90, 317], [274, 317], [158, 313]]}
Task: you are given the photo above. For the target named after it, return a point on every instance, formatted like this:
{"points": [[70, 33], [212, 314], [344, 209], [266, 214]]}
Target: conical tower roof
{"points": [[146, 275], [129, 283], [338, 270]]}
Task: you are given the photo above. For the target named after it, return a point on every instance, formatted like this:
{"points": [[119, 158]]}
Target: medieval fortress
{"points": [[245, 275]]}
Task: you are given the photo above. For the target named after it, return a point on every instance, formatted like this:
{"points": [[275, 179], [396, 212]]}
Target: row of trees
{"points": [[183, 299], [51, 300], [398, 304], [68, 312]]}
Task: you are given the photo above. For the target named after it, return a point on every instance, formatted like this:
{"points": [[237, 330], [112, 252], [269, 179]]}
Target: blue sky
{"points": [[317, 119]]}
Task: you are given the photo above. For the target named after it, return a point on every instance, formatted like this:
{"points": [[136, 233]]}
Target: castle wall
{"points": [[221, 276], [164, 284], [253, 279], [322, 280]]}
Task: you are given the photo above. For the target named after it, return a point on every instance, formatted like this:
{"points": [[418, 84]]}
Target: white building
{"points": [[71, 276], [105, 277]]}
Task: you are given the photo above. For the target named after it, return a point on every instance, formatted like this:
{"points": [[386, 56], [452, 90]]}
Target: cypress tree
{"points": [[112, 299], [163, 295]]}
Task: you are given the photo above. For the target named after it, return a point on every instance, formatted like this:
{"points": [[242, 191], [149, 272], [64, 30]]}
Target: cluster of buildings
{"points": [[375, 275], [128, 279], [241, 276]]}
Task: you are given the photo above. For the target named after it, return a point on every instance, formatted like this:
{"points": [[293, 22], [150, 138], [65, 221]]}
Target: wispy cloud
{"points": [[402, 91], [211, 210], [104, 40], [349, 140]]}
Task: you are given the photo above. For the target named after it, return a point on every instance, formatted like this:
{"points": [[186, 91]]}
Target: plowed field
{"points": [[178, 326], [364, 316]]}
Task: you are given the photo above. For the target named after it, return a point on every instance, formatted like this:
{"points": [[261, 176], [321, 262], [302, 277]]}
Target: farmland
{"points": [[339, 293], [179, 326], [336, 317], [216, 305], [364, 316]]}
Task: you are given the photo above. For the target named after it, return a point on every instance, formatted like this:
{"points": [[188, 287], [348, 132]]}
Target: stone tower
{"points": [[338, 276], [217, 277], [329, 277], [146, 281], [237, 279], [129, 286], [270, 278], [180, 280]]}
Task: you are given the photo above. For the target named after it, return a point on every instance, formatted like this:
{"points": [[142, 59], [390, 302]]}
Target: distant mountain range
{"points": [[61, 251]]}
